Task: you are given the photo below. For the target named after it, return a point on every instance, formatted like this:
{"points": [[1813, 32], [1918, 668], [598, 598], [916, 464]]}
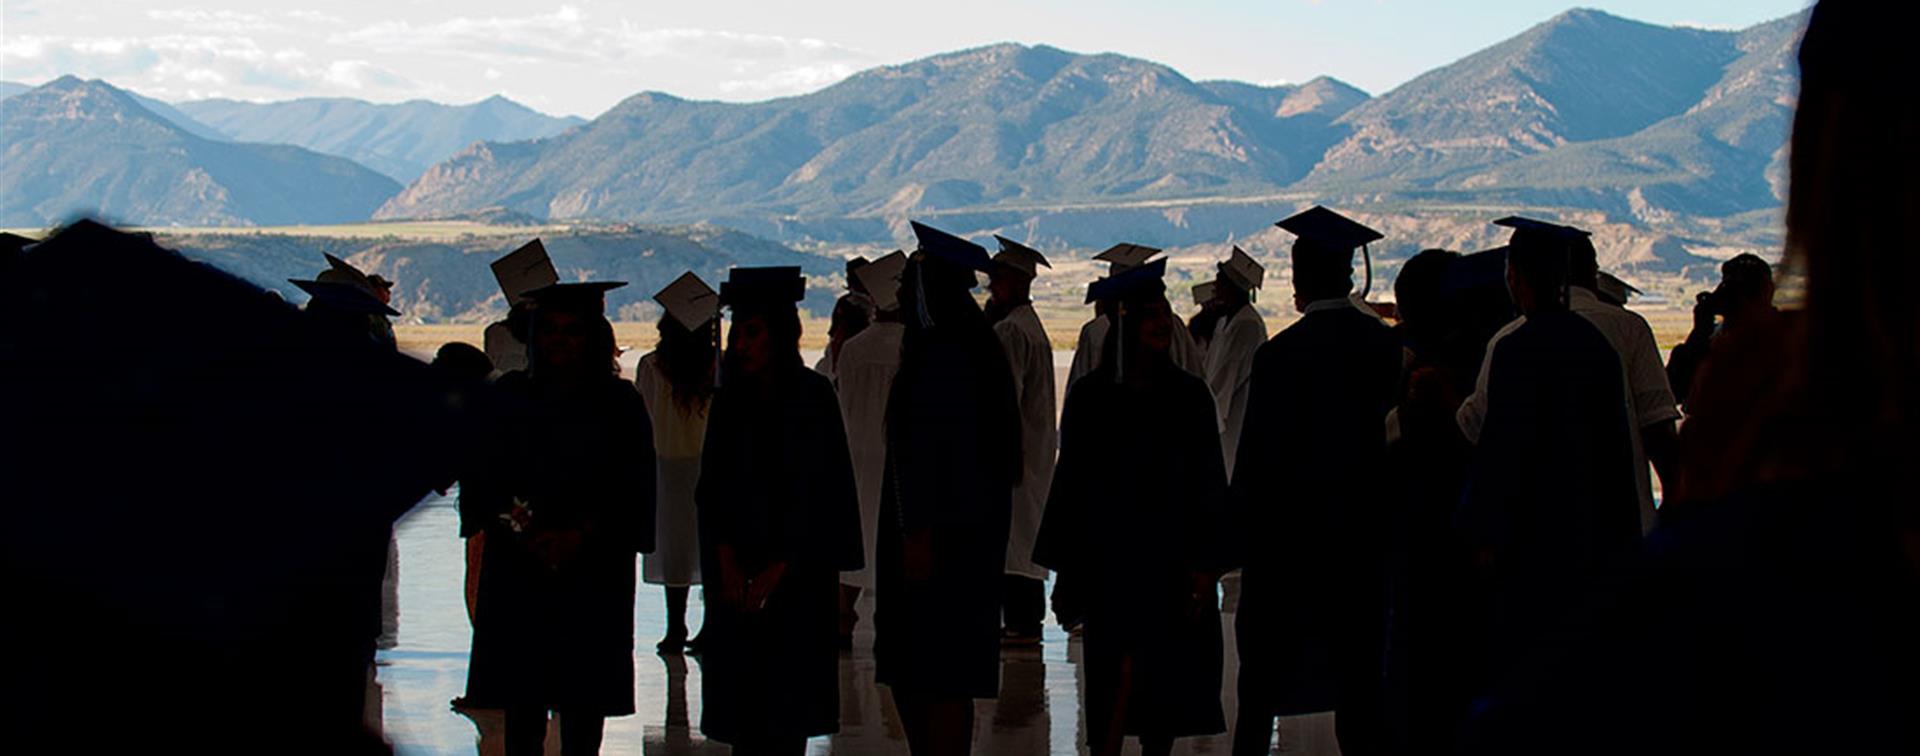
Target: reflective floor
{"points": [[1038, 710]]}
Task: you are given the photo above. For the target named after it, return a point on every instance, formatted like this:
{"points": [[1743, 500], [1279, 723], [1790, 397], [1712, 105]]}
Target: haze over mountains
{"points": [[1675, 131]]}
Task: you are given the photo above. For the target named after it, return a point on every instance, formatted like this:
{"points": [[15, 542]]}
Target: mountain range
{"points": [[1676, 131]]}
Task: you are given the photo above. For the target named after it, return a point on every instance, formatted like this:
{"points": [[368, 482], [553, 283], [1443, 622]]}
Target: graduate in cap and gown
{"points": [[864, 378], [852, 313], [1238, 332], [1121, 258], [953, 456], [676, 381], [1142, 540], [1310, 621], [1550, 502], [518, 272], [566, 503], [343, 295], [778, 521], [1030, 355]]}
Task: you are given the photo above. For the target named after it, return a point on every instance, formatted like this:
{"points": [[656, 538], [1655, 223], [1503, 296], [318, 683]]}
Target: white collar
{"points": [[1319, 305]]}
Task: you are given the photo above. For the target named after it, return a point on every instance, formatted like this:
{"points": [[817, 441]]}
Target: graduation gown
{"points": [[776, 486], [678, 434], [1134, 535], [552, 629], [507, 353], [951, 461], [1551, 493], [1307, 508], [1229, 372], [1030, 355], [868, 363]]}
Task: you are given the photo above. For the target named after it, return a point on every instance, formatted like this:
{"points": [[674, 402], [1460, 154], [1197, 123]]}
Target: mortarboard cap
{"points": [[953, 249], [1130, 283], [881, 278], [750, 287], [1241, 270], [690, 301], [524, 270], [1124, 256], [1020, 257], [1203, 293], [1329, 230], [343, 297], [585, 296], [1615, 291], [1529, 231], [341, 272]]}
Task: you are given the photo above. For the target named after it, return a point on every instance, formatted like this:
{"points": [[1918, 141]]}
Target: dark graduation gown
{"points": [[1136, 508], [556, 632], [1306, 502], [1551, 493], [776, 484], [952, 453]]}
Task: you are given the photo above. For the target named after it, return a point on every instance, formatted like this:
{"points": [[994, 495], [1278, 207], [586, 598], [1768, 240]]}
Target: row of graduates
{"points": [[923, 468]]}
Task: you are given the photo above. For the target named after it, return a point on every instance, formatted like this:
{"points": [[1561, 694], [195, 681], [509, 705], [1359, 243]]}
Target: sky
{"points": [[581, 57]]}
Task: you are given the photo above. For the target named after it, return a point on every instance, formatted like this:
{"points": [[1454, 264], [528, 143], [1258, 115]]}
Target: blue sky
{"points": [[582, 56]]}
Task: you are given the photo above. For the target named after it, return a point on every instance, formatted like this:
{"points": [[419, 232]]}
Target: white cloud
{"points": [[226, 21], [175, 64], [790, 80]]}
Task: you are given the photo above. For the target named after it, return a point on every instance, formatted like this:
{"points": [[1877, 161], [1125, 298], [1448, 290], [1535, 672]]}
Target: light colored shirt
{"points": [[1030, 356], [1230, 354]]}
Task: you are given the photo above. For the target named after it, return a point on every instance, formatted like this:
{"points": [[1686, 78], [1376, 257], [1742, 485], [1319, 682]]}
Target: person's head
{"points": [[1320, 272], [1419, 289], [1746, 285], [1537, 277], [1583, 263], [382, 288], [686, 358], [850, 317], [463, 362], [941, 289], [571, 341], [763, 337], [1006, 283]]}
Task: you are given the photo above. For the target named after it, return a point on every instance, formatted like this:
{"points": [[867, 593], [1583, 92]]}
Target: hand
{"points": [[760, 589], [918, 559]]}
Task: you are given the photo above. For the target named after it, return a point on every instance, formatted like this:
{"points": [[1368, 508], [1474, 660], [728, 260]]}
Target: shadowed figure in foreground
{"points": [[863, 380], [566, 500], [953, 446], [1143, 538], [1310, 530], [779, 521], [1030, 355], [139, 541], [676, 381], [1777, 604]]}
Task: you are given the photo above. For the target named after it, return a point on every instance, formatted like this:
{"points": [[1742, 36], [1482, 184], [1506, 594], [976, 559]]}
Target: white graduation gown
{"points": [[1030, 354], [1230, 372], [864, 378], [506, 352], [1185, 352], [678, 435]]}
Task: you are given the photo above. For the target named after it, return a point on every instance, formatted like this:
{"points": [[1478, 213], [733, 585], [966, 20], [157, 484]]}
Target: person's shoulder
{"points": [[807, 381]]}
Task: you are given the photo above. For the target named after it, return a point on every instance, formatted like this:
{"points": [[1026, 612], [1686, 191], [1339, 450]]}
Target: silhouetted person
{"points": [[566, 503], [863, 380], [1203, 323], [778, 523], [1144, 540], [469, 369], [1551, 500], [676, 380], [1030, 354], [1652, 406], [1744, 299], [953, 435], [182, 508], [524, 269], [1434, 639], [1093, 336], [852, 313], [1776, 608], [1310, 525], [1239, 333]]}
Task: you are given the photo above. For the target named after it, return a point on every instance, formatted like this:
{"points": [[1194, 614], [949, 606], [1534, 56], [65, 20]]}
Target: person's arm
{"points": [[1661, 442]]}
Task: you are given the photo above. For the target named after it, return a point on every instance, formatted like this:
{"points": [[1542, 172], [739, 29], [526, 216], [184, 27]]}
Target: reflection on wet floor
{"points": [[424, 669]]}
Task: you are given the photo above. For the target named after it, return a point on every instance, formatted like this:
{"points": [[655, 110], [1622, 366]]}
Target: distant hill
{"points": [[400, 140], [74, 146], [11, 88], [449, 281], [1000, 125]]}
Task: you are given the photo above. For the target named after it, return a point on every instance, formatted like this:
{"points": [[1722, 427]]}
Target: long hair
{"points": [[686, 360]]}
